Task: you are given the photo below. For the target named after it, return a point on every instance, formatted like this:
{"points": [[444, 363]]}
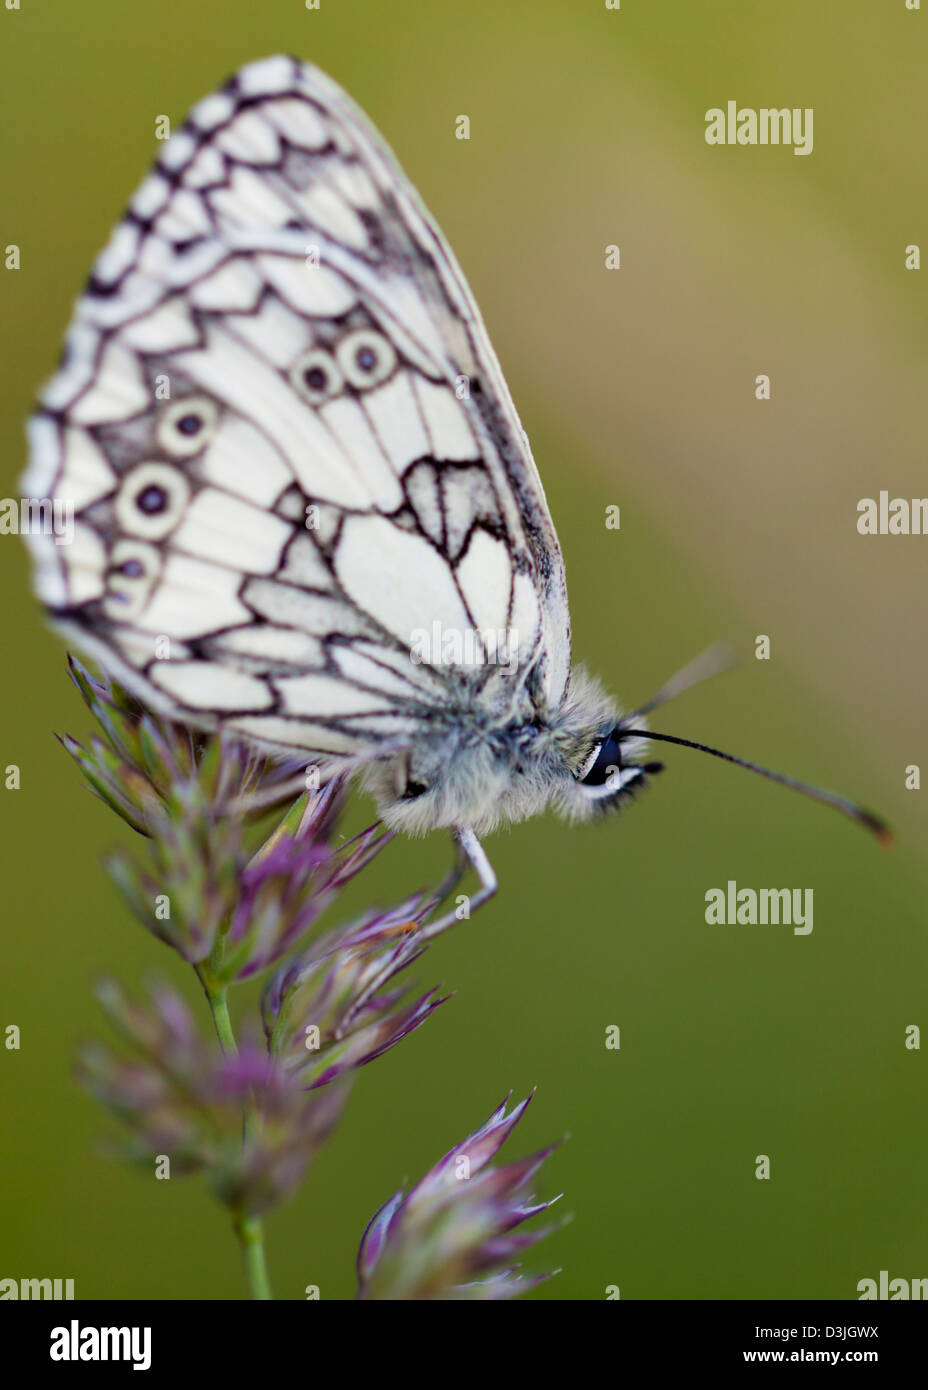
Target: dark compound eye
{"points": [[414, 789], [152, 500], [606, 764]]}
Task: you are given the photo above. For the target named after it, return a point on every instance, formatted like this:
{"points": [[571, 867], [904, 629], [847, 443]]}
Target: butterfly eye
{"points": [[187, 426], [366, 358], [603, 763], [152, 500], [316, 377], [133, 571]]}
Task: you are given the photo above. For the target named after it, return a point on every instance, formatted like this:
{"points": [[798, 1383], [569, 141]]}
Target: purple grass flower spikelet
{"points": [[205, 890], [141, 765], [335, 1007], [183, 1099], [292, 879], [237, 900], [455, 1234]]}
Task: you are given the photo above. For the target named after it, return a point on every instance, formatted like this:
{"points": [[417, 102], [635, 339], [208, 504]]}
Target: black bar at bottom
{"points": [[273, 1338]]}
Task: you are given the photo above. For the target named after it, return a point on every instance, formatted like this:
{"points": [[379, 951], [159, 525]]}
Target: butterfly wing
{"points": [[288, 444]]}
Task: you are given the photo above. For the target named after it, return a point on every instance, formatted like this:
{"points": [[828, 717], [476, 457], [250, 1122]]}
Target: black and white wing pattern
{"points": [[287, 441]]}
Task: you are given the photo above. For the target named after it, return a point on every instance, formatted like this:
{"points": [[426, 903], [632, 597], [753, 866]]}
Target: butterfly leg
{"points": [[469, 850], [452, 878]]}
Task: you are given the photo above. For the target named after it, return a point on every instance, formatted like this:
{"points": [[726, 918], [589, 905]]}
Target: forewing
{"points": [[287, 441]]}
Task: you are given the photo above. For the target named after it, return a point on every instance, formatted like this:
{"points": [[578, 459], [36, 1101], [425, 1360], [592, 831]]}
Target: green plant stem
{"points": [[219, 1006], [250, 1232], [248, 1229]]}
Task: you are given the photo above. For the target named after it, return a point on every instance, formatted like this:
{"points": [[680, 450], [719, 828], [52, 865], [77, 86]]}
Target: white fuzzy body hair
{"points": [[482, 770]]}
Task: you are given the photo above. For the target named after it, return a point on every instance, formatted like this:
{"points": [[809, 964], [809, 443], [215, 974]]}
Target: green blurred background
{"points": [[738, 518]]}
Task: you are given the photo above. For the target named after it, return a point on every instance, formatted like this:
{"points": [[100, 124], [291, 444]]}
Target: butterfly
{"points": [[304, 508]]}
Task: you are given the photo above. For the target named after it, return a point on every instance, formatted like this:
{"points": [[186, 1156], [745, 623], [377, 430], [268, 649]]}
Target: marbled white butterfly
{"points": [[296, 473]]}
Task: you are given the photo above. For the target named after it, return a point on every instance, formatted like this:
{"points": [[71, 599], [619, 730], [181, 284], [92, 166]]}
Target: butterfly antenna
{"points": [[712, 662], [857, 813]]}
